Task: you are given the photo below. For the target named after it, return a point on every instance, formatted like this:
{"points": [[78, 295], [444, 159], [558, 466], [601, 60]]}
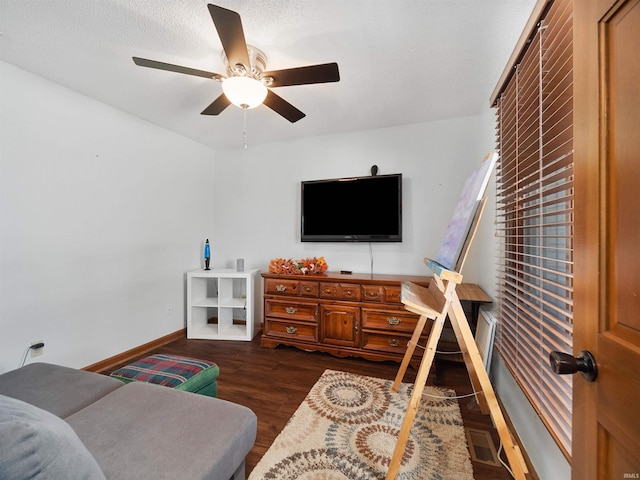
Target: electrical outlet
{"points": [[36, 352]]}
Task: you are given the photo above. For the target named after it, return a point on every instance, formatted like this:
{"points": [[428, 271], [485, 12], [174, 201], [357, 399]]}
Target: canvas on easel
{"points": [[469, 202], [439, 300]]}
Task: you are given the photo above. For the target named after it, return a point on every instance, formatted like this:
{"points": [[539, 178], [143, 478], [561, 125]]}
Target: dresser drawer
{"points": [[291, 310], [291, 330], [275, 286], [340, 291], [395, 343], [373, 293], [309, 289], [392, 294], [389, 320]]}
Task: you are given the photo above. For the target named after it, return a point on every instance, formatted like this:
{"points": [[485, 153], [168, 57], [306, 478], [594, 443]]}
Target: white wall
{"points": [[257, 192], [101, 214], [484, 244]]}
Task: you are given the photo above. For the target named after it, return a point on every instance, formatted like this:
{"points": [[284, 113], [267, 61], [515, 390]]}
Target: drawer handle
{"points": [[394, 342], [329, 291], [281, 288], [373, 294], [291, 330], [307, 289], [348, 293], [291, 310], [393, 320]]}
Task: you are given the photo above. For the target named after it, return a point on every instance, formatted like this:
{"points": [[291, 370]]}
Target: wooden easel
{"points": [[436, 302]]}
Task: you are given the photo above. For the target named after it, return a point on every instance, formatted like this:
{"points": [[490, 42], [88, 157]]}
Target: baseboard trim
{"points": [[111, 363]]}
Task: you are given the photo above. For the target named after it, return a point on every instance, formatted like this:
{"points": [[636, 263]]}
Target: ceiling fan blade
{"points": [[143, 62], [229, 27], [282, 107], [217, 106], [324, 73]]}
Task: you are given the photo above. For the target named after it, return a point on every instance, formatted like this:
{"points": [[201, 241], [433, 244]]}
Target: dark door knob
{"points": [[585, 363]]}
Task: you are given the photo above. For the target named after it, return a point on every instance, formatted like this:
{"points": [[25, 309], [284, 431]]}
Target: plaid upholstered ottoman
{"points": [[181, 373]]}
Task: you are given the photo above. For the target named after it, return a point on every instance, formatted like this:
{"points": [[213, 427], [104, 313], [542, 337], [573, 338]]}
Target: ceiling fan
{"points": [[246, 83]]}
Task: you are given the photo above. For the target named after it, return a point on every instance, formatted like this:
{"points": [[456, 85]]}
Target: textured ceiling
{"points": [[400, 62]]}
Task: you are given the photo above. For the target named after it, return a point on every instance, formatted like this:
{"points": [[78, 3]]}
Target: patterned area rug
{"points": [[347, 427]]}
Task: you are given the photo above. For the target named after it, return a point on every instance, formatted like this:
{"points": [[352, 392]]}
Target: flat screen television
{"points": [[356, 209]]}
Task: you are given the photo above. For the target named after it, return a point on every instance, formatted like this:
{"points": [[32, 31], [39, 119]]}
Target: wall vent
{"points": [[481, 447]]}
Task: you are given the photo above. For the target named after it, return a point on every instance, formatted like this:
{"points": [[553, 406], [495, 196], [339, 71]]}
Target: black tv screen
{"points": [[357, 209]]}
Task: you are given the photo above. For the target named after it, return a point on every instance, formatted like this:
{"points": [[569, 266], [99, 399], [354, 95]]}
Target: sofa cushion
{"points": [[143, 431], [59, 390], [35, 444]]}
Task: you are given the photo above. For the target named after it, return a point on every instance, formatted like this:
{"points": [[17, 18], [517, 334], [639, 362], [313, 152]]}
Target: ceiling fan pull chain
{"points": [[244, 127]]}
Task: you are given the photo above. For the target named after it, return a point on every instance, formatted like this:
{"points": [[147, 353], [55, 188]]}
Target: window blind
{"points": [[535, 216]]}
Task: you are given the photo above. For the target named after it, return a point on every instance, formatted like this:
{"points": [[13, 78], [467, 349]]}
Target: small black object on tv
{"points": [[357, 209]]}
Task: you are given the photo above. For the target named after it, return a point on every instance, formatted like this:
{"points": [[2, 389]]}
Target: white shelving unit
{"points": [[221, 304]]}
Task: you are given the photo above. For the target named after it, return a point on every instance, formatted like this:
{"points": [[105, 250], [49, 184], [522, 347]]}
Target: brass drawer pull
{"points": [[393, 320], [373, 294], [394, 342], [348, 293], [291, 330], [281, 288], [329, 291], [307, 289], [291, 310]]}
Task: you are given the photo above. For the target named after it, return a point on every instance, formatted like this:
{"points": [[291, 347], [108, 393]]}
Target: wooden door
{"points": [[606, 413]]}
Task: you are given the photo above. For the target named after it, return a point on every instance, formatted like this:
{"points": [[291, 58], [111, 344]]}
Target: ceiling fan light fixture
{"points": [[244, 92], [247, 81]]}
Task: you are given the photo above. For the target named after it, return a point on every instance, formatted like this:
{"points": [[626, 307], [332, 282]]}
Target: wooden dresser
{"points": [[342, 314]]}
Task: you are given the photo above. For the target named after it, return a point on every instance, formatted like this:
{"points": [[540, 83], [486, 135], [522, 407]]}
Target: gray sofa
{"points": [[58, 422]]}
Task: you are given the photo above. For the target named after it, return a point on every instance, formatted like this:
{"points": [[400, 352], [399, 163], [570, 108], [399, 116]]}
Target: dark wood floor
{"points": [[274, 382]]}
